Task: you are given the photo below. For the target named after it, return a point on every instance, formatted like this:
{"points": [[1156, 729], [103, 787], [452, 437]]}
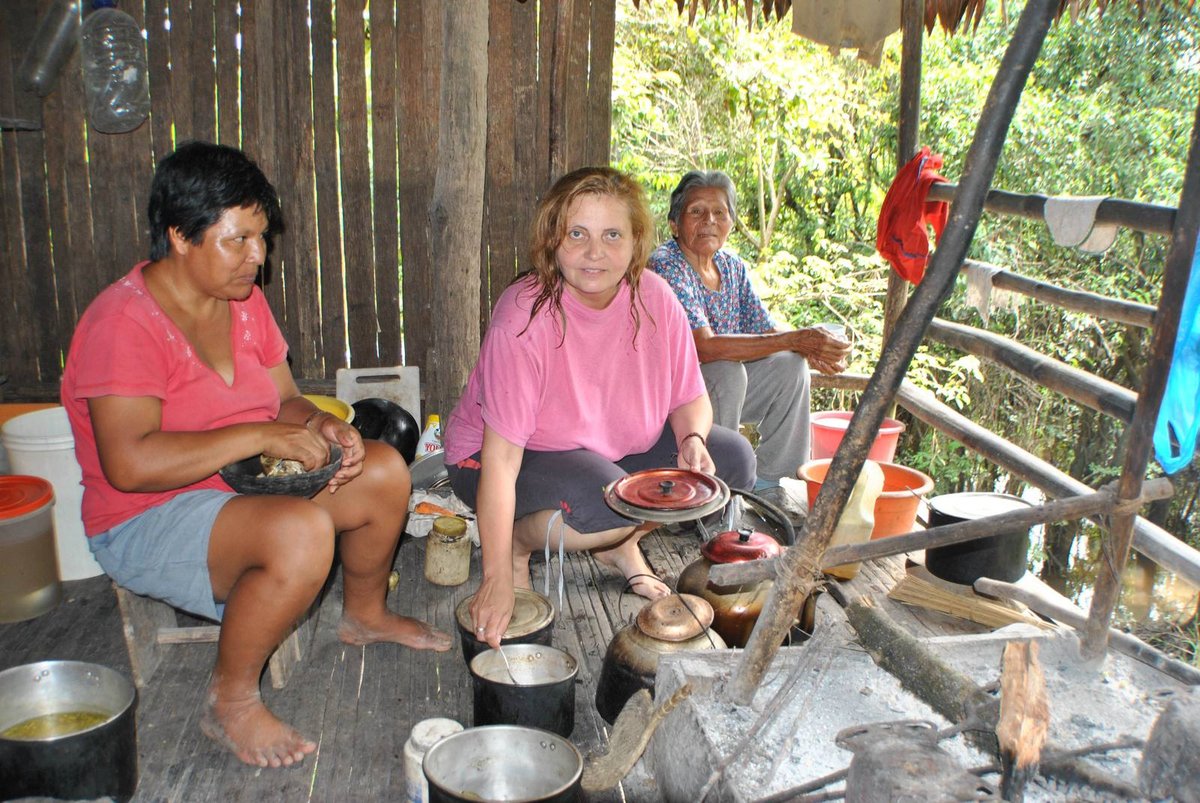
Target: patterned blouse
{"points": [[732, 310]]}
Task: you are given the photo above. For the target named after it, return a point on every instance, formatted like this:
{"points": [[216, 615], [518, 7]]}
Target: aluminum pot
{"points": [[539, 694], [96, 762], [503, 762]]}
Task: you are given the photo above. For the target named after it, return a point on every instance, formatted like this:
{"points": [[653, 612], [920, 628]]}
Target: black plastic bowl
{"points": [[243, 477], [383, 420]]}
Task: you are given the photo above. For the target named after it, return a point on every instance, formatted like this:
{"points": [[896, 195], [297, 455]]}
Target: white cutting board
{"points": [[400, 384]]}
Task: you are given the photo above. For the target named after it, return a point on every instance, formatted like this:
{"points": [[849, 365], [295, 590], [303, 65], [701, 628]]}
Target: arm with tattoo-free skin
{"points": [[137, 455], [492, 607], [693, 417], [823, 350]]}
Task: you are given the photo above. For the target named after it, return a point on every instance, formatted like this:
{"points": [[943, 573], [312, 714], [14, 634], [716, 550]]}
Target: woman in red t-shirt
{"points": [[179, 369]]}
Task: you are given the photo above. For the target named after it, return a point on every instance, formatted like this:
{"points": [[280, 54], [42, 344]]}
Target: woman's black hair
{"points": [[196, 184]]}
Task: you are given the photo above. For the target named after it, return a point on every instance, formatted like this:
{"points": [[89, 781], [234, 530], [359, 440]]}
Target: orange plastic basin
{"points": [[896, 507], [828, 429]]}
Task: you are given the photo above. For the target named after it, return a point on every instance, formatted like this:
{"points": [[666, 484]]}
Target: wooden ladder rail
{"points": [[1115, 548], [799, 564]]}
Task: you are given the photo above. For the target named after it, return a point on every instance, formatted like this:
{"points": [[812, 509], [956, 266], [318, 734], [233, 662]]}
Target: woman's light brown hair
{"points": [[550, 228]]}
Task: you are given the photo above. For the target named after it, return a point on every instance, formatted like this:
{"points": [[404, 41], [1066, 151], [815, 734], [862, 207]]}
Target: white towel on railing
{"points": [[982, 295], [1072, 222]]}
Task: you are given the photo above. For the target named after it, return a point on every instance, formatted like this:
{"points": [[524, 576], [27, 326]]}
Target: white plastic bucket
{"points": [[41, 444]]}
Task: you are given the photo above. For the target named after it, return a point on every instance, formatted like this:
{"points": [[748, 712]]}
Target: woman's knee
{"points": [[733, 456]]}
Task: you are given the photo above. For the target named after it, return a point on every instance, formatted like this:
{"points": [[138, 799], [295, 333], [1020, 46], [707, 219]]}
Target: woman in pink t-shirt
{"points": [[179, 369], [588, 371]]}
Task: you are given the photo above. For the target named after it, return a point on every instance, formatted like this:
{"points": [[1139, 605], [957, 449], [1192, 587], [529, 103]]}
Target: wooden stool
{"points": [[149, 623]]}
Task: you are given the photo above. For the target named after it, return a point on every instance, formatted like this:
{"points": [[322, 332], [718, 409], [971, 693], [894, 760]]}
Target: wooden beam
{"points": [[456, 207], [1080, 386], [912, 15], [1071, 508], [1093, 304], [1150, 218], [1151, 540]]}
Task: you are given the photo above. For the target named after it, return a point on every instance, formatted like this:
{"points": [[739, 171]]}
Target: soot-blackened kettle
{"points": [[737, 608], [676, 623]]}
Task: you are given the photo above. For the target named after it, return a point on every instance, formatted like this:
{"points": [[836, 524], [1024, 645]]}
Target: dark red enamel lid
{"points": [[667, 489], [740, 546]]}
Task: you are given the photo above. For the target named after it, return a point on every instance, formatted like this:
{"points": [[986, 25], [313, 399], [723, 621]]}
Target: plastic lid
{"points": [[428, 732], [20, 495]]}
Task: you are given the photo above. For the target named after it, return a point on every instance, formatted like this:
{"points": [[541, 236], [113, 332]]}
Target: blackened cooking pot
{"points": [[98, 761], [1003, 556]]}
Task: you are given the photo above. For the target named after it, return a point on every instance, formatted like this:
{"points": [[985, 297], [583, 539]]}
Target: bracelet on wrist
{"points": [[311, 416], [703, 442]]}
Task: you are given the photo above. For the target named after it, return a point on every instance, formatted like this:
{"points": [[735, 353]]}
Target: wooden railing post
{"points": [[1115, 548]]}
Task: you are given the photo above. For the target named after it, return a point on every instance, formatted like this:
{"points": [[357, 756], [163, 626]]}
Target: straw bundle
{"points": [[920, 588]]}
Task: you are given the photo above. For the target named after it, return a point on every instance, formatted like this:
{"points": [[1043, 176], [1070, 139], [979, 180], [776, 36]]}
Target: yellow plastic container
{"points": [[332, 406]]}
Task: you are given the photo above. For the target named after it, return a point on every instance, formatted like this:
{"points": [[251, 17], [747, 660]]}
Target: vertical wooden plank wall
{"points": [[341, 112]]}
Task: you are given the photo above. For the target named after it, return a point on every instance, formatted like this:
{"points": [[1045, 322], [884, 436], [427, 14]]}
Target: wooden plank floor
{"points": [[360, 703]]}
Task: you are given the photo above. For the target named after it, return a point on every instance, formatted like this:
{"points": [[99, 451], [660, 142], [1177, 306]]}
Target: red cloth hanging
{"points": [[902, 237]]}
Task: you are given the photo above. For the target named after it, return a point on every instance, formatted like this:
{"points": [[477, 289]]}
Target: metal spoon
{"points": [[507, 666]]}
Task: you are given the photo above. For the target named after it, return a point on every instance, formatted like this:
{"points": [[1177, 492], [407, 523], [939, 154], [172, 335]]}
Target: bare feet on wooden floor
{"points": [[627, 558], [394, 628], [252, 733]]}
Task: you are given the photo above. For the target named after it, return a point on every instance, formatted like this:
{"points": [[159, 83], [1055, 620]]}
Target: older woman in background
{"points": [[755, 370]]}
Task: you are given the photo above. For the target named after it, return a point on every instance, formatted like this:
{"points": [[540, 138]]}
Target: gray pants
{"points": [[773, 394]]}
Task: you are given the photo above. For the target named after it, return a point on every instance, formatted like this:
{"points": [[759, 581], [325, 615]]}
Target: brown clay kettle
{"points": [[737, 608]]}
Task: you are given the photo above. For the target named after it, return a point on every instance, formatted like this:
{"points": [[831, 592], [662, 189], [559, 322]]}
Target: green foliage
{"points": [[810, 141]]}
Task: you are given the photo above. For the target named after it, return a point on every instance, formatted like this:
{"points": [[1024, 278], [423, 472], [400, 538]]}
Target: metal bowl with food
{"points": [[253, 476]]}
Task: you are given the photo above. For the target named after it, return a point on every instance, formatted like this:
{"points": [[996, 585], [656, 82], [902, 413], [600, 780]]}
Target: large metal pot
{"points": [[737, 608], [503, 762], [96, 762], [540, 692], [676, 623]]}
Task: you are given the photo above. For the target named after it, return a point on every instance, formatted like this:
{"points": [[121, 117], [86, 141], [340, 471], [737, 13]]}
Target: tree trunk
{"points": [[456, 208]]}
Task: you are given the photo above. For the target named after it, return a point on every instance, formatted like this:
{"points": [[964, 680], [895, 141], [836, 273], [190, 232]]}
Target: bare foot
{"points": [[252, 733], [627, 558], [395, 628]]}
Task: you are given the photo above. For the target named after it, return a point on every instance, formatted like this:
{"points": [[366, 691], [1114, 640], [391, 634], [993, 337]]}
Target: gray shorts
{"points": [[163, 552], [574, 481]]}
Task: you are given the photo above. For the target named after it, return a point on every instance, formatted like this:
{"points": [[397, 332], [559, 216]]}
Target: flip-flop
{"points": [[642, 578]]}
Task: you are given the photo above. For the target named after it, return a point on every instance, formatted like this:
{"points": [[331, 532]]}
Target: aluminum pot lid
{"points": [[976, 504], [677, 617], [531, 613], [740, 546]]}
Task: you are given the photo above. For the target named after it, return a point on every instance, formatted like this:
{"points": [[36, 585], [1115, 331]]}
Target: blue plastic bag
{"points": [[1179, 415]]}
